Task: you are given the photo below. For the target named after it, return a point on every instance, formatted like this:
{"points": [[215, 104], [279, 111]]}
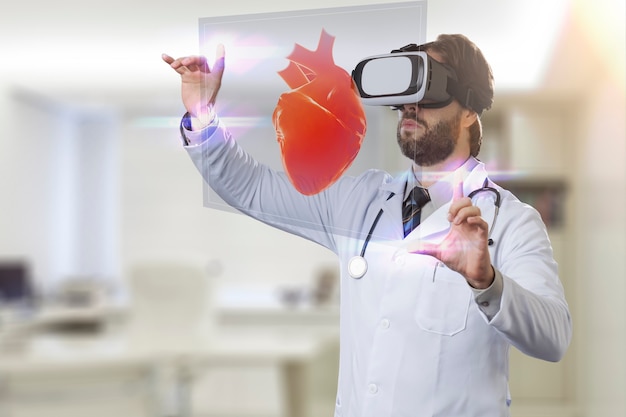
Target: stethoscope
{"points": [[357, 265]]}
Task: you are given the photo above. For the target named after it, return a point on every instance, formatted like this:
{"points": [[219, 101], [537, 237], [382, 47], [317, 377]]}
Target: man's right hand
{"points": [[200, 84]]}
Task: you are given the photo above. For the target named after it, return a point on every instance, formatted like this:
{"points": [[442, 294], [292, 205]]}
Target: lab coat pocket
{"points": [[443, 302]]}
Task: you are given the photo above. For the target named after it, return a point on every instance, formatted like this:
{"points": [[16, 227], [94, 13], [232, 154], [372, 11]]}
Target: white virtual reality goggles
{"points": [[409, 75]]}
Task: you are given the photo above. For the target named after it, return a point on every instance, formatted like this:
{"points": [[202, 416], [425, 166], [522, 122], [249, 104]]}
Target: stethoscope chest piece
{"points": [[357, 267]]}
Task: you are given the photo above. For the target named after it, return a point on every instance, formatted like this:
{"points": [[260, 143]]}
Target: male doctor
{"points": [[432, 295]]}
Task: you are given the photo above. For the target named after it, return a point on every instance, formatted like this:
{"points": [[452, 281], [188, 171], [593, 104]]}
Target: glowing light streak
{"points": [[168, 122]]}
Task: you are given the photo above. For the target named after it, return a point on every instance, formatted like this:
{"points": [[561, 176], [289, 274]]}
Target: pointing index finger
{"points": [[218, 65], [457, 195], [457, 186], [168, 59]]}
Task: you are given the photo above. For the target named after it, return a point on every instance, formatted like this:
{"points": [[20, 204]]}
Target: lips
{"points": [[410, 123]]}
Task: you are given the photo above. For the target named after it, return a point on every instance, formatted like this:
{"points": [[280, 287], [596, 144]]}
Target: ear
{"points": [[468, 117]]}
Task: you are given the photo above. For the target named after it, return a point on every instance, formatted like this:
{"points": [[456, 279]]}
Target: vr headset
{"points": [[409, 75]]}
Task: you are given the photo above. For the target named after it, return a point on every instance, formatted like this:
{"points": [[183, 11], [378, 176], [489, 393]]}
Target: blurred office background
{"points": [[96, 193]]}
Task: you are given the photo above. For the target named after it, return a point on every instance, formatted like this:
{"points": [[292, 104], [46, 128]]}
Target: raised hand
{"points": [[464, 249], [200, 83]]}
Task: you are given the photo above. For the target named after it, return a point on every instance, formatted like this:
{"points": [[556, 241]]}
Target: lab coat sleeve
{"points": [[260, 192], [533, 314], [488, 300]]}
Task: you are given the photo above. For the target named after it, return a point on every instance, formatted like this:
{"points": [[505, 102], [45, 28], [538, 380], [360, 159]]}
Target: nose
{"points": [[412, 107]]}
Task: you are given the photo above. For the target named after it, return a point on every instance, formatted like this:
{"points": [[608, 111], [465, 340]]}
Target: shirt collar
{"points": [[441, 191]]}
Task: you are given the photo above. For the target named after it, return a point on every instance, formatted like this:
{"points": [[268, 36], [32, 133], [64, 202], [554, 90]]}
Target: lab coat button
{"points": [[372, 388], [384, 323]]}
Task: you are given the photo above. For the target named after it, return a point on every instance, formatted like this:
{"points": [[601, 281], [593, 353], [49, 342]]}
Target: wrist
{"points": [[481, 284], [203, 119], [193, 135]]}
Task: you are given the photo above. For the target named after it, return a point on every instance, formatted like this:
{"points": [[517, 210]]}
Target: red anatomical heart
{"points": [[320, 123]]}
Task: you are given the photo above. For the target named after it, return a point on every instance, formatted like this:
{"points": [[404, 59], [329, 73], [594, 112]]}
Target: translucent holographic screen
{"points": [[257, 46]]}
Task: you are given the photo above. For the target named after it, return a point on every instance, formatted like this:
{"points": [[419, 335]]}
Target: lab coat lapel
{"points": [[391, 220], [433, 228]]}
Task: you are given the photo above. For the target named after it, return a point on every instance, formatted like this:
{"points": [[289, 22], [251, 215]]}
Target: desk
{"points": [[315, 318], [292, 350]]}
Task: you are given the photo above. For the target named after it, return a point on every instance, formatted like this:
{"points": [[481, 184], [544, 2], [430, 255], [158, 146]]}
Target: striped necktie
{"points": [[412, 207]]}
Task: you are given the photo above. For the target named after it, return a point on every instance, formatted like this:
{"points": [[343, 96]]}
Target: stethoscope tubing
{"points": [[496, 203], [371, 232], [357, 266]]}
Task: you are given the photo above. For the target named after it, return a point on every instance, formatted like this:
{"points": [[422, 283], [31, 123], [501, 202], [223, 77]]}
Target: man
{"points": [[427, 319]]}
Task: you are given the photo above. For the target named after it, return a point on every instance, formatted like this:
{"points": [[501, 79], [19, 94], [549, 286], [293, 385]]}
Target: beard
{"points": [[434, 145]]}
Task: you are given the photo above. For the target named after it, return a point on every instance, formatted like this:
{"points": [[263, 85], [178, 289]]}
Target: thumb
{"points": [[420, 247]]}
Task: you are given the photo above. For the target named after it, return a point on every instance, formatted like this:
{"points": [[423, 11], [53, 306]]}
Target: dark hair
{"points": [[473, 71]]}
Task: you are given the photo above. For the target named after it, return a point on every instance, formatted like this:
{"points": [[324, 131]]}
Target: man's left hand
{"points": [[464, 249]]}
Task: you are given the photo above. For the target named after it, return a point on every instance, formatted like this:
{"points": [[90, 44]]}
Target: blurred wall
{"points": [[161, 187]]}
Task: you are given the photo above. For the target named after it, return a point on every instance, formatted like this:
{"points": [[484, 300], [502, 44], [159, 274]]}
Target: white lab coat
{"points": [[414, 342]]}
